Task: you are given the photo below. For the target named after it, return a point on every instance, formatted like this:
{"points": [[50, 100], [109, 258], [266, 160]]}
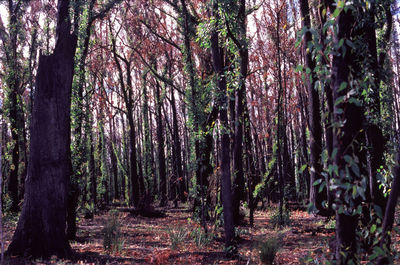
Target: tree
{"points": [[41, 227], [226, 193], [14, 89], [315, 125]]}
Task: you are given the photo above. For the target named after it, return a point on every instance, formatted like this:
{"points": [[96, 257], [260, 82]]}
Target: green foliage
{"points": [[177, 236], [219, 215], [113, 241], [201, 238], [241, 231], [88, 210], [268, 250], [278, 220], [230, 251]]}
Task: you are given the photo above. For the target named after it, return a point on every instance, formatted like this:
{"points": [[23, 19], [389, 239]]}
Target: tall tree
{"points": [[14, 89], [41, 227], [314, 124], [226, 193]]}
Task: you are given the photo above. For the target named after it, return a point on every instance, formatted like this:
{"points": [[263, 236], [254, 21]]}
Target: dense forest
{"points": [[233, 132]]}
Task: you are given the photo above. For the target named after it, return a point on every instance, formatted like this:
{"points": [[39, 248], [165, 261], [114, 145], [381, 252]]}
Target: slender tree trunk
{"points": [[226, 194], [113, 158], [315, 127], [161, 153], [240, 100], [390, 208]]}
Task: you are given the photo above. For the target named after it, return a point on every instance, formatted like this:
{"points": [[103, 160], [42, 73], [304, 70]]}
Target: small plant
{"points": [[177, 237], [88, 211], [331, 224], [201, 238], [268, 250], [241, 231], [280, 221], [112, 241]]}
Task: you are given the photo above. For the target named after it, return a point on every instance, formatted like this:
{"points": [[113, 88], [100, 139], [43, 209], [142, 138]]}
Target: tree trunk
{"points": [[240, 94], [41, 227], [178, 150], [315, 127], [345, 138], [161, 154], [390, 208], [226, 194], [113, 158]]}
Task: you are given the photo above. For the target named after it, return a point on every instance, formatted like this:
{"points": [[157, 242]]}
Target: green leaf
{"points": [[340, 44], [303, 167], [342, 86], [299, 68], [355, 170], [317, 182], [321, 187], [348, 159], [334, 152], [336, 13], [338, 110], [350, 44], [354, 193], [339, 100]]}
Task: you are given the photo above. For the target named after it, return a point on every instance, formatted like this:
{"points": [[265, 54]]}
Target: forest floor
{"points": [[175, 239]]}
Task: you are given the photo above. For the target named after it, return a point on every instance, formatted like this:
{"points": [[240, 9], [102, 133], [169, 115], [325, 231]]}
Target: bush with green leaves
{"points": [[177, 236], [268, 250], [113, 241], [278, 220]]}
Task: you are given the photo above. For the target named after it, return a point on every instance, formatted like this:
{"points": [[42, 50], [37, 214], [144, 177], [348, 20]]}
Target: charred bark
{"points": [[41, 227]]}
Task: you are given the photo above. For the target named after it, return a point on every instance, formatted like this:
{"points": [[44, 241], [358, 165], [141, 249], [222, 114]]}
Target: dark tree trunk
{"points": [[146, 143], [92, 171], [345, 138], [13, 179], [390, 208], [226, 194], [315, 126], [250, 164], [178, 150], [41, 227], [132, 161], [161, 154], [304, 153], [13, 103], [240, 94], [113, 158]]}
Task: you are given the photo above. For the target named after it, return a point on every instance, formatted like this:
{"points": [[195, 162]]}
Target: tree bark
{"points": [[240, 94], [41, 227], [351, 119], [226, 194], [390, 208], [315, 126], [162, 174]]}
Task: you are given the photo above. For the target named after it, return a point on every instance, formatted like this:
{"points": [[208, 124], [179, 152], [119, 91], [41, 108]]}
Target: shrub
{"points": [[113, 241], [280, 221], [177, 237], [268, 250]]}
